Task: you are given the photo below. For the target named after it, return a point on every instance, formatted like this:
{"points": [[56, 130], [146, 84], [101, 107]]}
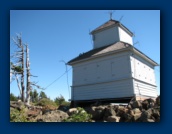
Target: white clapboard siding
{"points": [[144, 89], [114, 89], [106, 37], [107, 68], [110, 36], [142, 70], [125, 37]]}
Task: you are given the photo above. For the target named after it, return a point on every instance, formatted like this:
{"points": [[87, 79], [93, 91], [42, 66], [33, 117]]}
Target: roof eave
{"points": [[144, 56], [117, 24], [126, 29], [102, 29], [96, 56]]}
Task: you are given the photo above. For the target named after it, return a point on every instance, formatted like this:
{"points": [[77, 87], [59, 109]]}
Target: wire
{"points": [[58, 78], [66, 76]]}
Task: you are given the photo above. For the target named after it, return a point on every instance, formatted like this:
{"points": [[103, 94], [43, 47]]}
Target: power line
{"points": [[58, 78]]}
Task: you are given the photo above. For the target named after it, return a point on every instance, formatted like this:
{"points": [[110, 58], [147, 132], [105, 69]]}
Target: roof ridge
{"points": [[104, 24], [110, 23]]}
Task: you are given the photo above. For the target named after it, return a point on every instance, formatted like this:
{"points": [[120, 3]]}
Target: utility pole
{"points": [[67, 76]]}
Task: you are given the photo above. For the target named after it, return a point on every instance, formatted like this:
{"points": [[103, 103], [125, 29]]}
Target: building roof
{"points": [[111, 23], [119, 46]]}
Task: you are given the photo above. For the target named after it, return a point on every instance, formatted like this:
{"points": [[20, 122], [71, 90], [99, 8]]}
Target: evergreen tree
{"points": [[13, 97], [59, 100], [34, 96], [42, 95]]}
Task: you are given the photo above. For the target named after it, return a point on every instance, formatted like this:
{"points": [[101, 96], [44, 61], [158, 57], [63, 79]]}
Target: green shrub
{"points": [[59, 100], [46, 102], [18, 116], [81, 116], [65, 103]]}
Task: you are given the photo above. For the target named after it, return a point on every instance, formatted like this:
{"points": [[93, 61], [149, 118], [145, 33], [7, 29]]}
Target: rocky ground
{"points": [[136, 111]]}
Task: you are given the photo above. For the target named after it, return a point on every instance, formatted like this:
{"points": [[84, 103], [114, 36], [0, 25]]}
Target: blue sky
{"points": [[55, 35]]}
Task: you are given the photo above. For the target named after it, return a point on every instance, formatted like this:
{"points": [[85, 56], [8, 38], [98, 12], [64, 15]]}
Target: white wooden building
{"points": [[114, 69]]}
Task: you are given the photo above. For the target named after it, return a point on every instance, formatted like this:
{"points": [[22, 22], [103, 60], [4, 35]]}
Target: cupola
{"points": [[111, 32]]}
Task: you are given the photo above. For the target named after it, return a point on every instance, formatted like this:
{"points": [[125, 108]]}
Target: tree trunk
{"points": [[28, 77], [22, 75], [18, 83], [11, 75]]}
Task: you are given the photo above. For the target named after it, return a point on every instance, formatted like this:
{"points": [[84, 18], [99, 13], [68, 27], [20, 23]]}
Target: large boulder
{"points": [[109, 111], [156, 114], [129, 106], [52, 116], [146, 115], [158, 100], [120, 111], [113, 119], [32, 113], [17, 105], [145, 105], [148, 103], [136, 104], [123, 113], [97, 112], [72, 111], [126, 117], [136, 111], [63, 108], [149, 120], [136, 117]]}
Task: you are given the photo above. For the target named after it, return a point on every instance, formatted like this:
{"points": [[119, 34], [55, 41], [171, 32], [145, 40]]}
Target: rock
{"points": [[136, 111], [17, 105], [63, 108], [97, 112], [136, 104], [19, 101], [149, 120], [122, 113], [149, 111], [113, 119], [145, 105], [126, 118], [52, 116], [148, 103], [72, 111], [157, 120], [109, 111], [151, 103], [146, 115], [129, 107], [48, 108], [158, 100], [131, 112], [136, 117], [33, 113], [155, 113], [116, 107]]}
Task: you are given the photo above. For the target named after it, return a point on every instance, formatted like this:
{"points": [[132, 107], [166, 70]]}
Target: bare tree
{"points": [[28, 76], [19, 69], [19, 55]]}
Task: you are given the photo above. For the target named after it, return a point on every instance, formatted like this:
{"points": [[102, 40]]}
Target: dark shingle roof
{"points": [[107, 49], [101, 50], [110, 23]]}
